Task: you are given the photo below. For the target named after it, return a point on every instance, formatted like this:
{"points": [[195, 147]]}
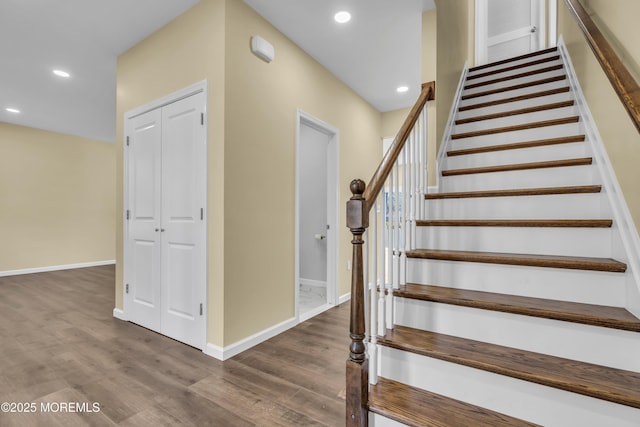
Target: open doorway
{"points": [[316, 216]]}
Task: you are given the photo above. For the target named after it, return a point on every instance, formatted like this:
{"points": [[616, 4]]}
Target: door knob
{"points": [[534, 29]]}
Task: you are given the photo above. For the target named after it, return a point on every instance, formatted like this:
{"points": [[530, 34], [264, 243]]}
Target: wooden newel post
{"points": [[357, 364]]}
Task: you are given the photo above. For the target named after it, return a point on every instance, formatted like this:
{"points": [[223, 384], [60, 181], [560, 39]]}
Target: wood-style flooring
{"points": [[60, 343]]}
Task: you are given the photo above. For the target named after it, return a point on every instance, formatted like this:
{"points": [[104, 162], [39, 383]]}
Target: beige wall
{"points": [[619, 134], [58, 198], [188, 50], [260, 137], [252, 136], [455, 41]]}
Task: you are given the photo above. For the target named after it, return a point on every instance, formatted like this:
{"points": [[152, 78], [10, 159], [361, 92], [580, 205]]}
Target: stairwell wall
{"points": [[622, 140], [455, 47]]}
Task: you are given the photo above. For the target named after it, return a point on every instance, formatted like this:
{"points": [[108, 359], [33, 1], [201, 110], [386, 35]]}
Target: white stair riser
{"points": [[514, 82], [533, 178], [513, 63], [572, 150], [377, 420], [589, 287], [522, 70], [590, 344], [557, 206], [592, 242], [546, 132], [543, 405], [516, 105], [513, 93], [515, 120]]}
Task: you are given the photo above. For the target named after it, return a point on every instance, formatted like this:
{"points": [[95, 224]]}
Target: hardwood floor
{"points": [[60, 343]]}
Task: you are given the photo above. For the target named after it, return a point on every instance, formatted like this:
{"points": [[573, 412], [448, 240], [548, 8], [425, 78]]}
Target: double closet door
{"points": [[165, 280]]}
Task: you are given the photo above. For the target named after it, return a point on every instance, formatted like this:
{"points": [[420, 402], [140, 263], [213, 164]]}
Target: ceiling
{"points": [[377, 51]]}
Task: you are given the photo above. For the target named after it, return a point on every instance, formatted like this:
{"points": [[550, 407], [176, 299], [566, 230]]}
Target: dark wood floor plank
{"points": [[59, 340], [586, 161], [514, 67], [515, 58], [515, 98], [517, 112], [614, 385], [588, 314], [517, 145], [515, 128], [582, 189], [417, 408], [515, 87], [530, 260], [544, 223], [515, 76]]}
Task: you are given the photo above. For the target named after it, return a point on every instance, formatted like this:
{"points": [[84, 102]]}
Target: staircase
{"points": [[512, 308]]}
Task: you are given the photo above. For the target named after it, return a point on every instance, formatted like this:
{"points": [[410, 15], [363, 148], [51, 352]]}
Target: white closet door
{"points": [[507, 28], [144, 194], [183, 238]]}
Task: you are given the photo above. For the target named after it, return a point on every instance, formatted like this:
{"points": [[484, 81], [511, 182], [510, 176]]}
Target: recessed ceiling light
{"points": [[12, 110], [342, 17], [61, 73], [402, 89]]}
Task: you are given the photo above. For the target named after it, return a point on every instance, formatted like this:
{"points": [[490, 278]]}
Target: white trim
{"points": [[119, 314], [176, 96], [621, 214], [333, 203], [56, 268], [314, 283], [482, 20], [224, 353], [313, 312], [344, 298], [448, 130], [552, 38]]}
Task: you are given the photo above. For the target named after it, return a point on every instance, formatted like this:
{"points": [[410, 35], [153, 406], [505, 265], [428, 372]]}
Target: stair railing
{"points": [[391, 203], [621, 79]]}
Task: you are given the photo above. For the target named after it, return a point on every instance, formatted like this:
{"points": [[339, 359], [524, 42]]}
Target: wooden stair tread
{"points": [[514, 128], [518, 145], [516, 98], [515, 87], [514, 67], [417, 407], [588, 314], [614, 385], [515, 76], [544, 223], [582, 189], [510, 113], [546, 261], [585, 161], [515, 58]]}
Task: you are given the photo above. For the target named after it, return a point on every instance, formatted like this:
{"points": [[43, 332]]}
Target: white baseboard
{"points": [[119, 314], [344, 298], [224, 353], [56, 268], [311, 282]]}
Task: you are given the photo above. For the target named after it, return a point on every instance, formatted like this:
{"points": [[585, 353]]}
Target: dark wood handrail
{"points": [[358, 208], [380, 176], [623, 82]]}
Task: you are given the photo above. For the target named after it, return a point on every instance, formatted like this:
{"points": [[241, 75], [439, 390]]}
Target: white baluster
{"points": [[389, 282]]}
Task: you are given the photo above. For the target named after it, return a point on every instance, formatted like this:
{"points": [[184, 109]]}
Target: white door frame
{"points": [[545, 32], [199, 87], [333, 201]]}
